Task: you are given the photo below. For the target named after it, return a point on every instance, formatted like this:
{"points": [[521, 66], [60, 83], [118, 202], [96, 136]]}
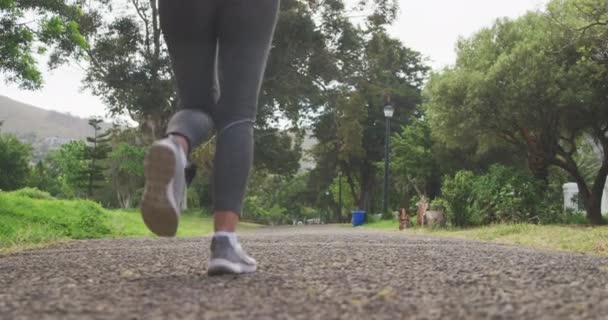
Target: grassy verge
{"points": [[30, 219], [129, 224], [572, 238]]}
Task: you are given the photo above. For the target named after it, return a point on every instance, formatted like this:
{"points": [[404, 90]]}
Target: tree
{"points": [[30, 28], [413, 163], [126, 172], [42, 178], [535, 83], [95, 153], [67, 165], [14, 163], [128, 66], [351, 130]]}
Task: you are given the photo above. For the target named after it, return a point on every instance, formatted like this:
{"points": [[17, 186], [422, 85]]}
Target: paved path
{"points": [[305, 273]]}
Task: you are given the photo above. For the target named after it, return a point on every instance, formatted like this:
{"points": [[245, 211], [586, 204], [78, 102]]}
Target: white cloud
{"points": [[433, 26]]}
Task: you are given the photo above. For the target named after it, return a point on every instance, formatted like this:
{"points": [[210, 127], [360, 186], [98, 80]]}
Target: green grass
{"points": [[31, 218], [129, 224], [572, 238]]}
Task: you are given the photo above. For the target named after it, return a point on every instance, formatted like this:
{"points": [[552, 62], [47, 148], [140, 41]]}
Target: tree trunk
{"points": [[537, 158], [367, 185], [591, 198], [593, 206]]}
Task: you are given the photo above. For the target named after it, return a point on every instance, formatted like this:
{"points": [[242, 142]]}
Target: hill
{"points": [[45, 130]]}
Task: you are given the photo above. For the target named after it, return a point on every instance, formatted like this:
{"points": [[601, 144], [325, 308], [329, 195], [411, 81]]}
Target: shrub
{"points": [[32, 193], [194, 201], [439, 204], [25, 219], [255, 211], [458, 198], [502, 195], [506, 194], [14, 163]]}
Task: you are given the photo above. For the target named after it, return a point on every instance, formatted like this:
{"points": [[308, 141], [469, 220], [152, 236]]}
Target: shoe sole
{"points": [[158, 209], [218, 267]]}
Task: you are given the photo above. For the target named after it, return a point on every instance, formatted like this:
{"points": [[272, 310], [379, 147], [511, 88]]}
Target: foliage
{"points": [[458, 196], [30, 28], [537, 83], [294, 196], [126, 172], [413, 163], [41, 178], [67, 165], [14, 163], [351, 129], [95, 152], [27, 219], [348, 202], [588, 158], [256, 211], [274, 199], [32, 193], [502, 195], [193, 199], [277, 152], [507, 195]]}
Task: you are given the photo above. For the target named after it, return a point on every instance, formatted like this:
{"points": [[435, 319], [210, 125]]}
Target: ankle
{"points": [[225, 221]]}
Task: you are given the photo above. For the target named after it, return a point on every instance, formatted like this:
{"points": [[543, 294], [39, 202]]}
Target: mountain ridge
{"points": [[45, 130]]}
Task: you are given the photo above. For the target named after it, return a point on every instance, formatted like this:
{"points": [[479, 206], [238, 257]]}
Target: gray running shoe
{"points": [[227, 257], [165, 191]]}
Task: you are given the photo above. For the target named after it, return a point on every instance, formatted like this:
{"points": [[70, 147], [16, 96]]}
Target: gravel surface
{"points": [[304, 273]]}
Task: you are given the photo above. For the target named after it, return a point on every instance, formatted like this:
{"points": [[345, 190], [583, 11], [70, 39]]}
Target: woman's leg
{"points": [[245, 30], [191, 35], [245, 33]]}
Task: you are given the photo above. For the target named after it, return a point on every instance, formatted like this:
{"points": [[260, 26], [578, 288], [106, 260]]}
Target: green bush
{"points": [[32, 193], [14, 163], [439, 204], [254, 210], [505, 194], [458, 198], [28, 217], [194, 201], [502, 195]]}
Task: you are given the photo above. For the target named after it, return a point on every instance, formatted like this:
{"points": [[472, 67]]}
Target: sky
{"points": [[431, 27]]}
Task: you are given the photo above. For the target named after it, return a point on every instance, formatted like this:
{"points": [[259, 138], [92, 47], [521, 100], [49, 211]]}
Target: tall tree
{"points": [[95, 152], [351, 129], [536, 83]]}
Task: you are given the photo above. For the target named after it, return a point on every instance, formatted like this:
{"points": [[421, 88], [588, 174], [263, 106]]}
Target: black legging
{"points": [[220, 46]]}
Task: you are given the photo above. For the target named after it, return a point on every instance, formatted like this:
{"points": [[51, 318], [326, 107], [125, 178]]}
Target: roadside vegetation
{"points": [[31, 218]]}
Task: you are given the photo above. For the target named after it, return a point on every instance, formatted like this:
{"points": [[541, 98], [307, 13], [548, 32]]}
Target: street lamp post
{"points": [[389, 110], [328, 206], [340, 198]]}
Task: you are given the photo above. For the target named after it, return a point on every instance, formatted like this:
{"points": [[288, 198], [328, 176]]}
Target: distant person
{"points": [[219, 50]]}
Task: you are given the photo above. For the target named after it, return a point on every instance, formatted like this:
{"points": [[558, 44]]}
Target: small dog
{"points": [[404, 220]]}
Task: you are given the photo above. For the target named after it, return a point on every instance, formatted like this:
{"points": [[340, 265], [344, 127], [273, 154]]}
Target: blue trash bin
{"points": [[358, 218]]}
